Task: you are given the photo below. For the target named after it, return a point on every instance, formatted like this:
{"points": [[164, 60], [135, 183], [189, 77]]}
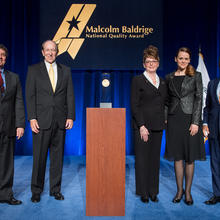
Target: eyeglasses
{"points": [[2, 54], [151, 61]]}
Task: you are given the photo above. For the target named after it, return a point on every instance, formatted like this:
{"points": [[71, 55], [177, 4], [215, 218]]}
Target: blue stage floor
{"points": [[74, 190]]}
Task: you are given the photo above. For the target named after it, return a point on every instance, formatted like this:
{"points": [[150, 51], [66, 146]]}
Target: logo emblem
{"points": [[68, 35]]}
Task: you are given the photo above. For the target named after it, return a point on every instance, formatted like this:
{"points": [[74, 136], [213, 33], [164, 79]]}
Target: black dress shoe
{"points": [[145, 199], [154, 198], [177, 199], [189, 202], [57, 196], [213, 200], [12, 201], [35, 198]]}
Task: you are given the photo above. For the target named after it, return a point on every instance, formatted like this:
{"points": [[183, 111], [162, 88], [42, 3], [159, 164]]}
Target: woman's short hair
{"points": [[151, 51]]}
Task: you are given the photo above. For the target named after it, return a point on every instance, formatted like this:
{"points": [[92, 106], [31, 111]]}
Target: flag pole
{"points": [[200, 50]]}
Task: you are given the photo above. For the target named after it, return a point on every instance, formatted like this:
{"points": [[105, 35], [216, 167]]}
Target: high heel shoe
{"points": [[189, 202], [144, 199], [177, 199], [154, 198]]}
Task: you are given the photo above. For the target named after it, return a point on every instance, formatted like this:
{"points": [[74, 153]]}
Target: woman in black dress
{"points": [[148, 94], [184, 139]]}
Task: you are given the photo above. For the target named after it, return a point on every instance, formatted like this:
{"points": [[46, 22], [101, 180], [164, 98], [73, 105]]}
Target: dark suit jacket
{"points": [[211, 113], [148, 103], [12, 114], [42, 103], [190, 98]]}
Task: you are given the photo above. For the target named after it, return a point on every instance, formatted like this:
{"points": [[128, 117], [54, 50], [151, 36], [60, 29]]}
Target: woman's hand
{"points": [[19, 132], [144, 133], [193, 129]]}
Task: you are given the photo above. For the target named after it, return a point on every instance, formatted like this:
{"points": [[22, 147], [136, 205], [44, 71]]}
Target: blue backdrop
{"points": [[193, 24]]}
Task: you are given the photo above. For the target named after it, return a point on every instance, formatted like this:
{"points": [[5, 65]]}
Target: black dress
{"points": [[180, 145]]}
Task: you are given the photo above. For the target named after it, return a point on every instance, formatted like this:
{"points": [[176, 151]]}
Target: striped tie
{"points": [[1, 83]]}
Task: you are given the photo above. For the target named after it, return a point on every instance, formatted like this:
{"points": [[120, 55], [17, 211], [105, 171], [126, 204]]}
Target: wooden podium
{"points": [[105, 162]]}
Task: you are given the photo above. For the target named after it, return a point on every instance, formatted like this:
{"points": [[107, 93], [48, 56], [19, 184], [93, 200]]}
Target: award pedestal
{"points": [[105, 162]]}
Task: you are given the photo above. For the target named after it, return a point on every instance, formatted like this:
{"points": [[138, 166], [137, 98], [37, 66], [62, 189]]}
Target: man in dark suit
{"points": [[211, 128], [12, 123], [51, 110]]}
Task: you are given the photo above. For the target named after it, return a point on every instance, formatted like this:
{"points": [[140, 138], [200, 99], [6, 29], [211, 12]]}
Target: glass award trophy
{"points": [[105, 99]]}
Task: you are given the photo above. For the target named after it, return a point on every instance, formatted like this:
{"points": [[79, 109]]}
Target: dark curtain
{"points": [[192, 23]]}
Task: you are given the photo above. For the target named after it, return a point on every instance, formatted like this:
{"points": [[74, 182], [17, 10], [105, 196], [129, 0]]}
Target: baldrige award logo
{"points": [[69, 36], [69, 32]]}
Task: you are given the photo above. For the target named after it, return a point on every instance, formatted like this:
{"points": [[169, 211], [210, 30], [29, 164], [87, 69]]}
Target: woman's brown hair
{"points": [[151, 51], [190, 70]]}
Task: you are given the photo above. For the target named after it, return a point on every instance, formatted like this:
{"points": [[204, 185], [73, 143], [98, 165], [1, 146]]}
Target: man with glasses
{"points": [[12, 124], [211, 128]]}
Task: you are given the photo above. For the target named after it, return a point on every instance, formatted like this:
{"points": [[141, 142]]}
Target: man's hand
{"points": [[34, 126], [205, 130], [19, 132], [69, 123]]}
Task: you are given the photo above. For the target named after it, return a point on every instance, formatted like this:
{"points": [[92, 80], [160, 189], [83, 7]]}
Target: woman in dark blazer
{"points": [[148, 94], [184, 139]]}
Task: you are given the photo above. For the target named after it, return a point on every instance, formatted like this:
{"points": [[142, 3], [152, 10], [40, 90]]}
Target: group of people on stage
{"points": [[174, 104], [50, 109]]}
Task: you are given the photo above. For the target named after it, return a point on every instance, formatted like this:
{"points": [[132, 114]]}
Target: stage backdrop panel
{"points": [[97, 34]]}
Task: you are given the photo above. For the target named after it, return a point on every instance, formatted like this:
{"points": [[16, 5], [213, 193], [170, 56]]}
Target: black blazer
{"points": [[190, 98], [12, 114], [42, 103], [148, 103]]}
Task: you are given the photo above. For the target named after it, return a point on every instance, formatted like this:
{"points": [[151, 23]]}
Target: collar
{"points": [[150, 80], [54, 64], [2, 71]]}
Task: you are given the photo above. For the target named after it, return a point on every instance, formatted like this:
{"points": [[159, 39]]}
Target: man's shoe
{"points": [[213, 200], [12, 201], [145, 199], [57, 196], [154, 198], [35, 198]]}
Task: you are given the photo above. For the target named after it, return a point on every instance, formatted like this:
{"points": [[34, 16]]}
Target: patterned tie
{"points": [[52, 78], [1, 83]]}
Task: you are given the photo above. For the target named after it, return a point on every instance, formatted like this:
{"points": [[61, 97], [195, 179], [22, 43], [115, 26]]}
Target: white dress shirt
{"points": [[149, 79]]}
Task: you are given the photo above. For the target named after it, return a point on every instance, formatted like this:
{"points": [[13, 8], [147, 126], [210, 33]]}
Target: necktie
{"points": [[52, 77], [1, 83]]}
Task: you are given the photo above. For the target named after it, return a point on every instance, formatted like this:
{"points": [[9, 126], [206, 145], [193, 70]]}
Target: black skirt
{"points": [[180, 145]]}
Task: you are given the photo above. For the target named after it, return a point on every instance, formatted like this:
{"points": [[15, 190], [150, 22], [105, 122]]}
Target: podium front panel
{"points": [[105, 162]]}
